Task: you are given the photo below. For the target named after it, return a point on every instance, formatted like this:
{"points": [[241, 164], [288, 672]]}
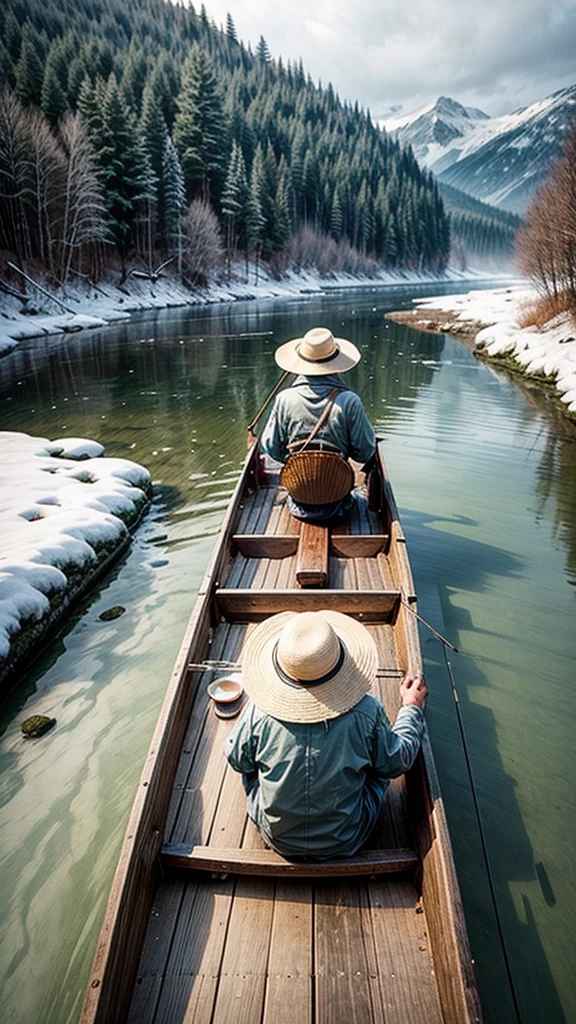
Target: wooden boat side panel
{"points": [[440, 890], [118, 951], [126, 917]]}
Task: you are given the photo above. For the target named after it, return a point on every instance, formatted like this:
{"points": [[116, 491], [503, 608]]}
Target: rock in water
{"points": [[36, 725], [112, 613]]}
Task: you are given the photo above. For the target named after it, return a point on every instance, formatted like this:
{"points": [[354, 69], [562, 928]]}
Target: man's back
{"points": [[315, 788], [297, 410]]}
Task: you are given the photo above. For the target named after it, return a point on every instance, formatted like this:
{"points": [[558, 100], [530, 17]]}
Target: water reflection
{"points": [[486, 483]]}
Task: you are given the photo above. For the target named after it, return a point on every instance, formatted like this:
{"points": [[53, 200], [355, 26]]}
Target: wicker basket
{"points": [[317, 477]]}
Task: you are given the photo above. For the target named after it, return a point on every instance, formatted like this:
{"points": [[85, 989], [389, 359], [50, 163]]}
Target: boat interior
{"points": [[222, 928], [233, 947]]}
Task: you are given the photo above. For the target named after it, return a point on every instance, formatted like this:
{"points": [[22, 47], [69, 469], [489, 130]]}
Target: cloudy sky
{"points": [[495, 54]]}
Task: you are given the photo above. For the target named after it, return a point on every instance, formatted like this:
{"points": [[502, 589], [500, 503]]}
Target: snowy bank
{"points": [[107, 303], [65, 512], [547, 352]]}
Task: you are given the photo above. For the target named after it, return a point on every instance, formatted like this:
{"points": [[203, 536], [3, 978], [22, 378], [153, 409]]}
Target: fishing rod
{"points": [[273, 393], [446, 643], [428, 626], [483, 842]]}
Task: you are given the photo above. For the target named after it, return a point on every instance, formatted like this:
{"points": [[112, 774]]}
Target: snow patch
{"points": [[549, 351], [56, 525]]}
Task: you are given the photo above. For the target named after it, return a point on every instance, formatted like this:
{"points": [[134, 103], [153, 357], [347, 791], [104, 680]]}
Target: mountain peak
{"points": [[499, 160]]}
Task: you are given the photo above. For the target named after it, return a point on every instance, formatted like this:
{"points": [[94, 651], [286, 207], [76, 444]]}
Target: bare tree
{"points": [[83, 218], [546, 247], [203, 250], [44, 174], [14, 233]]}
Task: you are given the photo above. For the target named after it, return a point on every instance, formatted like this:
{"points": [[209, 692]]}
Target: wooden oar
{"points": [[251, 437]]}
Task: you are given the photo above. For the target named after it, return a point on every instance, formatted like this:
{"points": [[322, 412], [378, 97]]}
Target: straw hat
{"points": [[317, 352], [310, 666]]}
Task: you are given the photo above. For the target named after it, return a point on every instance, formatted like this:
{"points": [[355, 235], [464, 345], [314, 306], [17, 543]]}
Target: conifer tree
{"points": [[199, 131], [154, 131], [53, 101], [231, 28], [124, 167], [255, 219], [173, 194], [12, 35], [262, 51], [336, 218], [235, 201], [29, 70], [76, 74]]}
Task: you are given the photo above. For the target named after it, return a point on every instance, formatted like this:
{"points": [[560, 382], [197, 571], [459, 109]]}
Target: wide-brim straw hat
{"points": [[308, 666], [318, 352]]}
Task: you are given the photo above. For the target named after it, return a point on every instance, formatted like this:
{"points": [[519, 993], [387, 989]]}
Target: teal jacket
{"points": [[297, 410], [316, 790]]}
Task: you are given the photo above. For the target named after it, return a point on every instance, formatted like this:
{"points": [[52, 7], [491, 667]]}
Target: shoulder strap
{"points": [[325, 414]]}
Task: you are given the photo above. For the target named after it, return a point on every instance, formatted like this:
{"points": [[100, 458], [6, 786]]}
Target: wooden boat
{"points": [[206, 925]]}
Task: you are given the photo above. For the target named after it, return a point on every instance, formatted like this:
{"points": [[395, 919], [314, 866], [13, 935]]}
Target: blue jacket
{"points": [[316, 790], [297, 409]]}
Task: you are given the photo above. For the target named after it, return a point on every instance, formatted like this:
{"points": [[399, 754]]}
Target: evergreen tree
{"points": [[12, 35], [173, 194], [262, 51], [255, 219], [199, 131], [336, 218], [29, 70], [77, 72], [125, 173], [153, 128], [231, 29], [53, 99], [235, 198]]}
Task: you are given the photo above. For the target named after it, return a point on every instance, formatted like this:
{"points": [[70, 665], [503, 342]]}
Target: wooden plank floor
{"points": [[250, 950], [258, 950], [265, 512]]}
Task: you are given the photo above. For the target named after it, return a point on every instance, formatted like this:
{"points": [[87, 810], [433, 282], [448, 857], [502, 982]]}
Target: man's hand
{"points": [[413, 690]]}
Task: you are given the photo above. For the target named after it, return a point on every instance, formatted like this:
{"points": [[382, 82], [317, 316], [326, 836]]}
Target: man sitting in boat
{"points": [[315, 749], [319, 358]]}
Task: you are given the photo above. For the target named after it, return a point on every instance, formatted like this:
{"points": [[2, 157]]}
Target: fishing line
{"points": [[483, 842]]}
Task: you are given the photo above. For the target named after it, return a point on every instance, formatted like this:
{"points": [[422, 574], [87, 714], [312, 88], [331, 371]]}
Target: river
{"points": [[484, 473]]}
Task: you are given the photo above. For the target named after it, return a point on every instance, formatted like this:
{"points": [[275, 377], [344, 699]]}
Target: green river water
{"points": [[484, 473]]}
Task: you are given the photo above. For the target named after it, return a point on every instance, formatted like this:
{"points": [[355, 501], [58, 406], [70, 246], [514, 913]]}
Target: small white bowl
{"points": [[225, 690]]}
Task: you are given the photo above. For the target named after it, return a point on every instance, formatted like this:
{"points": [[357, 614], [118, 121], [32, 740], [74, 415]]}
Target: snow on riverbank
{"points": [[549, 351], [64, 512], [107, 303]]}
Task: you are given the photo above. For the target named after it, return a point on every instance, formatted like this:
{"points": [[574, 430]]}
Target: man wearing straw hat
{"points": [[315, 749], [319, 358]]}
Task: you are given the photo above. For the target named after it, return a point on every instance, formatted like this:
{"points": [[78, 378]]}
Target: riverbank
{"points": [[81, 306], [491, 321], [66, 513]]}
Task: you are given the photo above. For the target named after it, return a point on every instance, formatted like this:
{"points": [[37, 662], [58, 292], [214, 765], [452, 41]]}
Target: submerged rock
{"points": [[36, 725], [112, 613]]}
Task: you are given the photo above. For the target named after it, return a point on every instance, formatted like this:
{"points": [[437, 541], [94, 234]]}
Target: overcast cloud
{"points": [[494, 54]]}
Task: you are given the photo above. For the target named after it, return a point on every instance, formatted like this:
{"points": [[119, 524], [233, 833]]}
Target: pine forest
{"points": [[141, 133]]}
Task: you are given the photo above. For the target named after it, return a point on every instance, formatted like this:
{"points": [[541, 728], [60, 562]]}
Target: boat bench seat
{"points": [[268, 862], [237, 604], [312, 559]]}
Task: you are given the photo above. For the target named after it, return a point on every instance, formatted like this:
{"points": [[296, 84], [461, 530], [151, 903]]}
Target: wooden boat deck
{"points": [[248, 950]]}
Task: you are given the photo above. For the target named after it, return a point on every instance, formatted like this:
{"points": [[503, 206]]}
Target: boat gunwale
{"points": [[141, 847]]}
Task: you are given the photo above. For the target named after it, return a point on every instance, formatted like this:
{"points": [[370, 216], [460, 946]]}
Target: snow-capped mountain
{"points": [[500, 160], [434, 130]]}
